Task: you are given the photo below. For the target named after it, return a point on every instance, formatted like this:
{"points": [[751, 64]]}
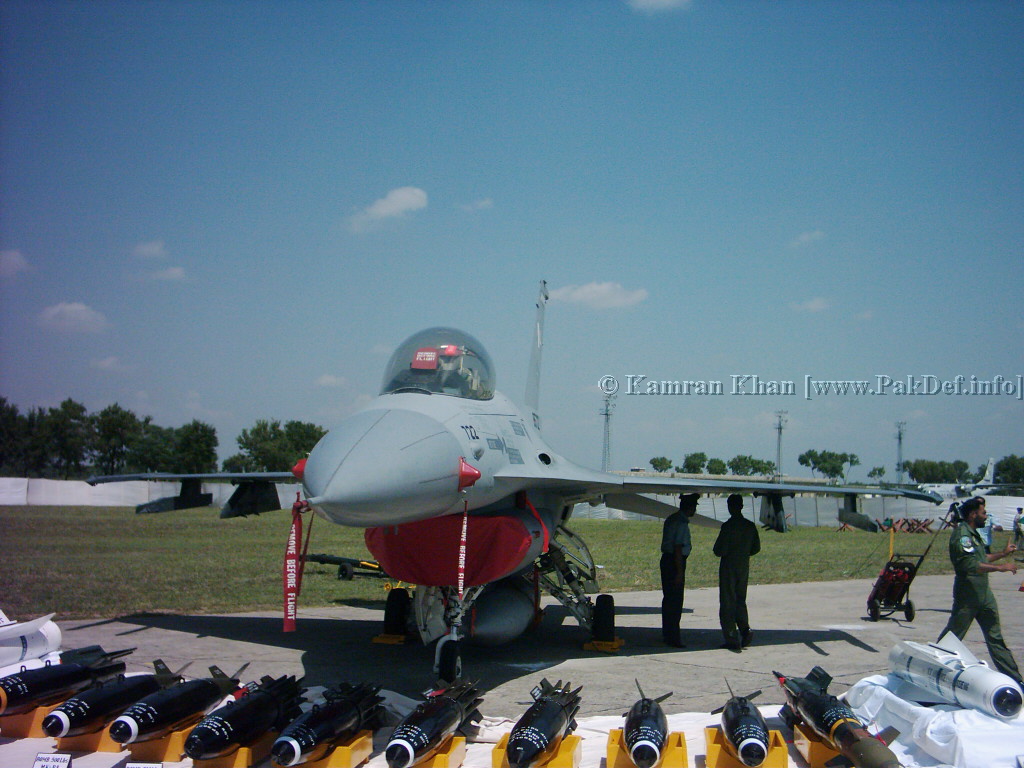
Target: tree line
{"points": [[834, 465], [68, 442]]}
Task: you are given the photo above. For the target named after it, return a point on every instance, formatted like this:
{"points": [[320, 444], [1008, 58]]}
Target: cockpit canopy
{"points": [[442, 361]]}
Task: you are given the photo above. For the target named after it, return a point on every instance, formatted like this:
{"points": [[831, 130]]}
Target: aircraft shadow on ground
{"points": [[336, 650]]}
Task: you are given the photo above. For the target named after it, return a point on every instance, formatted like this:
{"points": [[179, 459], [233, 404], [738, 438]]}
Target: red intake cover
{"points": [[427, 552]]}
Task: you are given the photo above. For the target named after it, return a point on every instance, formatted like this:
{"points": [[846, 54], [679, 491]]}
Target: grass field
{"points": [[89, 562]]}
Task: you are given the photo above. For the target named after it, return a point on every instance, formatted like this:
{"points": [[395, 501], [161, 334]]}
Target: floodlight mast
{"points": [[606, 412], [779, 424], [900, 426]]}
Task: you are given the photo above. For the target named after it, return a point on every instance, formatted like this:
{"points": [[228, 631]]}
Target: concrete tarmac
{"points": [[796, 626]]}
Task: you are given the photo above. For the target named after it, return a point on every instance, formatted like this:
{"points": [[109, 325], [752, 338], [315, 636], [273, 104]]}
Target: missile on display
{"points": [[25, 641], [347, 710], [241, 722], [539, 732], [428, 727], [946, 671], [172, 708], [93, 709], [646, 730], [744, 729], [78, 669], [808, 701]]}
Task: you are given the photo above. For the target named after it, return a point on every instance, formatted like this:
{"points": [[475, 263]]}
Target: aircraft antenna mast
{"points": [[606, 412], [779, 424], [900, 426]]}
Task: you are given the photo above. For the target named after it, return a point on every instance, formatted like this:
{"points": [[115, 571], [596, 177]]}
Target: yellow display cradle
{"points": [[168, 749], [815, 751], [27, 725], [243, 757], [389, 639], [673, 756], [719, 756], [567, 755], [450, 755], [604, 646], [99, 741], [347, 753]]}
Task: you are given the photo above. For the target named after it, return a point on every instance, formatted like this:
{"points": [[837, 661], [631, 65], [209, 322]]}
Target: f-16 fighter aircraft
{"points": [[461, 495]]}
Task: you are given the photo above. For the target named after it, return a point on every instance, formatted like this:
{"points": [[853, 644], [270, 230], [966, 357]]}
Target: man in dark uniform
{"points": [[675, 548], [972, 596], [736, 543]]}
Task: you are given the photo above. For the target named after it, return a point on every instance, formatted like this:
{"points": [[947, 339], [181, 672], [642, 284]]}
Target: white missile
{"points": [[24, 641], [946, 671]]}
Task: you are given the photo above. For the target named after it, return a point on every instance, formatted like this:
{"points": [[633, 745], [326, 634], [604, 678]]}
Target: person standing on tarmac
{"points": [[972, 596], [737, 542], [675, 548]]}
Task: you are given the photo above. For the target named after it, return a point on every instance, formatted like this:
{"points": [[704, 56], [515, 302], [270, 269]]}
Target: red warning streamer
{"points": [[291, 572]]}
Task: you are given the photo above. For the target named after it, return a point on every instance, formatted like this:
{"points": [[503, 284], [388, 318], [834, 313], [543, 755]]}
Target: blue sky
{"points": [[232, 211]]}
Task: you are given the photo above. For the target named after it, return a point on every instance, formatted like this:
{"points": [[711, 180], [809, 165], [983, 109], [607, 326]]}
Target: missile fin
{"points": [[952, 644], [820, 678], [888, 735]]}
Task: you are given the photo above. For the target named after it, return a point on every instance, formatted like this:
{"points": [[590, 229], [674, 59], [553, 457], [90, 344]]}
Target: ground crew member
{"points": [[972, 596], [675, 548], [737, 541]]}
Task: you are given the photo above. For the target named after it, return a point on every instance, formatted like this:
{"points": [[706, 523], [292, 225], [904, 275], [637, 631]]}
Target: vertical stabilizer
{"points": [[990, 473], [533, 375]]}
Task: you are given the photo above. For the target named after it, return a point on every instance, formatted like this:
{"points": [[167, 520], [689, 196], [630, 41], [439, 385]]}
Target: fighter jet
{"points": [[461, 495]]}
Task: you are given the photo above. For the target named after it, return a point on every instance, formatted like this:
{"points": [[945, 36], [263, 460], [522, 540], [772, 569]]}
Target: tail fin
{"points": [[990, 473], [533, 375]]}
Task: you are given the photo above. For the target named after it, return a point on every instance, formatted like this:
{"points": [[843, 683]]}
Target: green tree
{"points": [[117, 430], [808, 459], [195, 448], [661, 464], [693, 463], [11, 435], [716, 467], [269, 447], [876, 474], [70, 430], [153, 449], [1010, 469]]}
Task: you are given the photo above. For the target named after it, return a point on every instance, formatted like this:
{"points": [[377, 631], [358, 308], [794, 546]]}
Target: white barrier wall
{"points": [[19, 491]]}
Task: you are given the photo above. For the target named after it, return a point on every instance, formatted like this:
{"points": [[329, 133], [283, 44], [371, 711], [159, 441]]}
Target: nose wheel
{"points": [[448, 659]]}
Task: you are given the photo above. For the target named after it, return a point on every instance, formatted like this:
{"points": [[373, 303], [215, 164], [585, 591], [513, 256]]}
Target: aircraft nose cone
{"points": [[384, 467]]}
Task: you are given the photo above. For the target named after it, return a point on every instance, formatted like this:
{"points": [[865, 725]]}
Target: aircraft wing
{"points": [[626, 492], [255, 493]]}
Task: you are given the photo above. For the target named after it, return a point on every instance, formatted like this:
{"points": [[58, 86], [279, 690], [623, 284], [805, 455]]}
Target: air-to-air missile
{"points": [[172, 708], [427, 728], [539, 732], [92, 709], [646, 730], [808, 701], [241, 722], [744, 729], [346, 710], [946, 671], [78, 669]]}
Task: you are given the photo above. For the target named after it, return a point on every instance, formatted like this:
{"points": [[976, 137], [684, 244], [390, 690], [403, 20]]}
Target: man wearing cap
{"points": [[675, 548], [972, 596]]}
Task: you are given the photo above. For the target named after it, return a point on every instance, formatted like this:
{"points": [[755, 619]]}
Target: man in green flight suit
{"points": [[737, 541], [972, 596]]}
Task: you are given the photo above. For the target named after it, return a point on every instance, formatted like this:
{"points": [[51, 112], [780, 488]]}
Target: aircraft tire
{"points": [[396, 611], [874, 610], [909, 611], [604, 618], [449, 663], [346, 572]]}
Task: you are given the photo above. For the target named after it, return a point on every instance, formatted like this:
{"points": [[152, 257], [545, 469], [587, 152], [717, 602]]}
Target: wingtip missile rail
{"points": [[428, 727], [538, 733]]}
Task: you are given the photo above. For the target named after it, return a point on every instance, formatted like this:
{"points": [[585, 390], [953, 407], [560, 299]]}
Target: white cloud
{"points": [[73, 317], [110, 365], [327, 380], [154, 249], [394, 204], [478, 205], [655, 6], [817, 304], [806, 238], [12, 262], [171, 274], [599, 295]]}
